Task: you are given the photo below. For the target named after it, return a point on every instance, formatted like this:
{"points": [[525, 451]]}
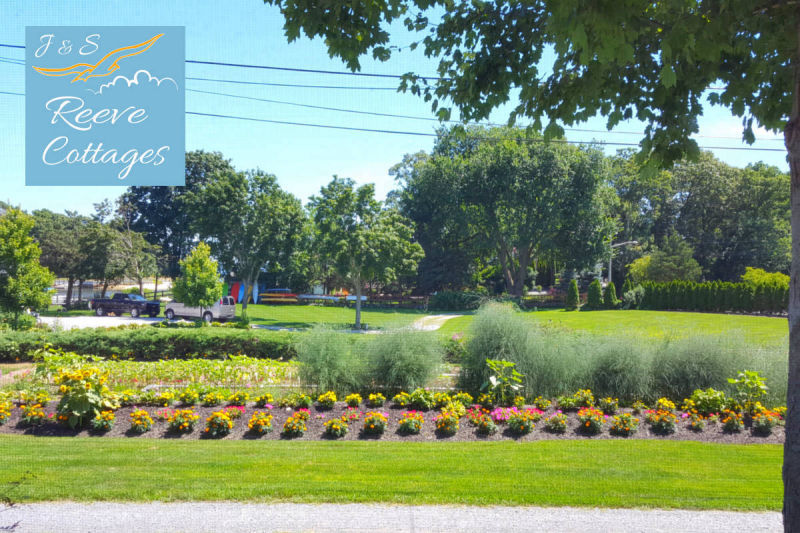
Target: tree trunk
{"points": [[248, 292], [105, 289], [80, 290], [155, 289], [358, 303], [141, 286], [70, 283], [791, 447]]}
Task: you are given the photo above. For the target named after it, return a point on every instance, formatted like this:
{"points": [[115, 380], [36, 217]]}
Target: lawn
{"points": [[638, 473], [305, 316], [657, 324]]}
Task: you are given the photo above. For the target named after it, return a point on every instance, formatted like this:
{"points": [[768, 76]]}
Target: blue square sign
{"points": [[104, 105]]}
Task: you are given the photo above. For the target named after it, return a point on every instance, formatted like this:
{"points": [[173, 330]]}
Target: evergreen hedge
{"points": [[715, 296]]}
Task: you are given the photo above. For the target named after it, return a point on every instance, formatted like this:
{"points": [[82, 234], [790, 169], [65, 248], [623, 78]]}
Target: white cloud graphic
{"points": [[134, 80]]}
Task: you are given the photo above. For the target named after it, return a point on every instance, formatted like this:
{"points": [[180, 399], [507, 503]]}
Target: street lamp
{"points": [[611, 256]]}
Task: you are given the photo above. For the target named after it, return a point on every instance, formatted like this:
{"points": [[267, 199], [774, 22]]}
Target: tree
{"points": [[594, 296], [672, 261], [610, 300], [161, 213], [517, 198], [249, 222], [59, 237], [23, 281], [573, 296], [648, 60], [366, 244], [199, 284]]}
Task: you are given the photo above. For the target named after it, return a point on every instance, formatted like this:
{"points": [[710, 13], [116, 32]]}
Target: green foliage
{"points": [[150, 343], [404, 359], [23, 281], [504, 381], [199, 284], [709, 401], [759, 276], [715, 296], [331, 361], [455, 300], [672, 261], [750, 388], [594, 297], [610, 300], [573, 296]]}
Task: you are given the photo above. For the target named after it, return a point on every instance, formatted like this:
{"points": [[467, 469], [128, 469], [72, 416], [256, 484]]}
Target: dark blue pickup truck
{"points": [[122, 302]]}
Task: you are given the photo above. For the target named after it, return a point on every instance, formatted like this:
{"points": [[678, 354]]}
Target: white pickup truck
{"points": [[224, 309]]}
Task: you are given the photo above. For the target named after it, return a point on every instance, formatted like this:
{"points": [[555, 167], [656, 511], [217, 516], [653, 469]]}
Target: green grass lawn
{"points": [[657, 324], [305, 316], [636, 473]]}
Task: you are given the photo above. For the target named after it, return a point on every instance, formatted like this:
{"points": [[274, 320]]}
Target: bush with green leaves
{"points": [[709, 401], [594, 296], [504, 381], [422, 399], [83, 395], [610, 300], [573, 296], [750, 388], [455, 300]]}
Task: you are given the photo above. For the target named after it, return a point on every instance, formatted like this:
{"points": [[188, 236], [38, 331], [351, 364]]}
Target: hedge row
{"points": [[715, 296], [149, 343]]}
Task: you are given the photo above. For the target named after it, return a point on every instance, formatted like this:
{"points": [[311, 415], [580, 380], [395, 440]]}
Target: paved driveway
{"points": [[79, 322]]}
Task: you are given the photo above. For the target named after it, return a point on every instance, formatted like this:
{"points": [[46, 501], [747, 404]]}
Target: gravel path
{"points": [[233, 517], [432, 322]]}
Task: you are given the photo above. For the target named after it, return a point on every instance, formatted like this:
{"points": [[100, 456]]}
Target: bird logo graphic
{"points": [[107, 65]]}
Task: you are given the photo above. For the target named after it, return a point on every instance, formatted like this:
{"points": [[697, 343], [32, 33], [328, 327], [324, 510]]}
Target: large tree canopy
{"points": [[641, 59]]}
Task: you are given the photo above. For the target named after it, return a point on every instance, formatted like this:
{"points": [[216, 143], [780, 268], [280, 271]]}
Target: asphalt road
{"points": [[232, 517]]}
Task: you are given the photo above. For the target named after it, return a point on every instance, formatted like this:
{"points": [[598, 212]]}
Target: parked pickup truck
{"points": [[122, 302], [224, 309]]}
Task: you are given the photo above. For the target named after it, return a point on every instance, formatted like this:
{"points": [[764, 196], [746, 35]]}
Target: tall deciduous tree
{"points": [[23, 281], [161, 212], [642, 59], [249, 222], [199, 284], [364, 242], [59, 237]]}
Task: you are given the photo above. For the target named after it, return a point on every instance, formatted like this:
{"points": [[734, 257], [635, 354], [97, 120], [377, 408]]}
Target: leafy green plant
{"points": [[32, 414], [421, 399], [327, 400], [353, 400], [189, 396], [764, 422], [594, 296], [411, 423], [5, 411], [264, 400], [335, 428], [732, 421], [402, 399], [591, 420], [374, 423], [484, 425], [84, 395], [376, 399], [238, 398], [610, 300], [403, 359], [520, 423], [504, 381], [573, 297], [260, 423], [294, 427], [662, 422], [542, 403], [182, 420], [608, 405], [213, 398], [556, 423], [750, 388], [141, 421], [463, 398], [218, 424], [624, 425], [708, 401], [446, 423], [104, 421]]}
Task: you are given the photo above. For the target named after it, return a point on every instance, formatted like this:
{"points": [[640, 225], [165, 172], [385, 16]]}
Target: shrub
{"points": [[504, 381], [149, 343], [441, 399], [32, 414], [731, 421], [294, 427], [750, 388], [584, 398], [567, 403], [128, 397], [624, 425], [238, 398], [764, 421], [260, 423], [5, 411], [542, 403], [556, 423], [335, 428], [594, 296], [664, 404], [218, 424], [573, 296], [297, 400], [446, 423], [213, 398], [591, 420], [454, 348], [608, 405], [374, 423], [411, 423], [610, 300], [104, 421], [661, 422], [708, 401], [638, 407], [404, 359], [330, 361], [164, 398], [376, 400], [182, 420], [402, 399], [455, 301], [620, 368], [484, 425], [421, 400], [463, 398], [188, 397], [353, 400], [264, 400], [520, 423], [632, 298], [141, 421], [327, 400]]}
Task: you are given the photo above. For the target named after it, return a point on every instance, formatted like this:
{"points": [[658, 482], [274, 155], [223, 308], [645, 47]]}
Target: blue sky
{"points": [[302, 158]]}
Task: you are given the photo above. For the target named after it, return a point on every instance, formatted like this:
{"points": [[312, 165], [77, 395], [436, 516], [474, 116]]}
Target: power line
{"points": [[272, 84], [304, 70]]}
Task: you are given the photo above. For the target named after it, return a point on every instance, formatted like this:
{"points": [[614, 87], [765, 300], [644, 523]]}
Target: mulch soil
{"points": [[713, 432]]}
